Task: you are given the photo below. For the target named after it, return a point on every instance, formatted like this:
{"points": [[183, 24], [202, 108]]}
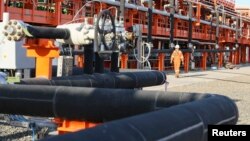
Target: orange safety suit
{"points": [[177, 57]]}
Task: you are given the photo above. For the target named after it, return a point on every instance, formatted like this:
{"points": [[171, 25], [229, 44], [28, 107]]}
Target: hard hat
{"points": [[177, 46]]}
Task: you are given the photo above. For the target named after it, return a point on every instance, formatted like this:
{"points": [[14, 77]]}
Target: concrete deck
{"points": [[232, 83]]}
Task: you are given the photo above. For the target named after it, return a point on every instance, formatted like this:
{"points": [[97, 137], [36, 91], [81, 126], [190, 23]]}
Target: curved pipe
{"points": [[94, 104], [127, 80], [185, 122]]}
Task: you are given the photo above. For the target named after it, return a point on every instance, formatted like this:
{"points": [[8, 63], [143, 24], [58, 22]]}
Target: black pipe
{"points": [[114, 62], [150, 18], [48, 32], [99, 64], [88, 59], [95, 104], [185, 122], [125, 80]]}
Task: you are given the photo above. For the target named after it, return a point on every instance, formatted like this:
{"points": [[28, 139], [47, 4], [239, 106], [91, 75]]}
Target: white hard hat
{"points": [[177, 46]]}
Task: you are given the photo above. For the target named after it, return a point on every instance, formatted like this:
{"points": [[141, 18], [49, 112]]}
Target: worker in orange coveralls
{"points": [[177, 57]]}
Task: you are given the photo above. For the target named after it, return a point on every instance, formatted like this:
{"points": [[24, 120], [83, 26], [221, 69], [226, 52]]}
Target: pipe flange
{"points": [[13, 30]]}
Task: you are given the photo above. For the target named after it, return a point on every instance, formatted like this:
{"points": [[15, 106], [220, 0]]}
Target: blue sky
{"points": [[243, 2]]}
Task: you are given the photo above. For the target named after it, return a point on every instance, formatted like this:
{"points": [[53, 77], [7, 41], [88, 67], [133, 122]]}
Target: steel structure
{"points": [[200, 24]]}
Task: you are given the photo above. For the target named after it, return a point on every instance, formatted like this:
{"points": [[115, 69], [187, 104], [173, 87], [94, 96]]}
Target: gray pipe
{"points": [[184, 122], [155, 11]]}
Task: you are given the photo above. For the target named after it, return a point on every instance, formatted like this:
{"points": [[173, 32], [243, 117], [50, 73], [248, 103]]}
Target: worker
{"points": [[177, 58]]}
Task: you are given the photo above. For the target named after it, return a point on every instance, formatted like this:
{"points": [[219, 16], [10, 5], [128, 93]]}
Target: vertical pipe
{"points": [[6, 17], [99, 64], [150, 18], [139, 48], [122, 10], [217, 26], [124, 61], [190, 27], [190, 37], [161, 60], [115, 62], [186, 62], [172, 11], [237, 32], [2, 7], [88, 59]]}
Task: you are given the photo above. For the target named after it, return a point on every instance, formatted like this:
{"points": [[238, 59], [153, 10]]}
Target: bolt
{"points": [[6, 27], [15, 22], [5, 34], [15, 39], [19, 33], [9, 38], [10, 23], [19, 27]]}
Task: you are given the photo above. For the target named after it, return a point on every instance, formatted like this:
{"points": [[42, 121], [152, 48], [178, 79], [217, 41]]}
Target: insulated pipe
{"points": [[88, 59], [184, 122], [47, 32], [99, 105], [125, 80]]}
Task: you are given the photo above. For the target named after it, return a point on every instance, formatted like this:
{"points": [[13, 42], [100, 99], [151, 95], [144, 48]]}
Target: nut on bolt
{"points": [[5, 33], [19, 33], [15, 39], [6, 27]]}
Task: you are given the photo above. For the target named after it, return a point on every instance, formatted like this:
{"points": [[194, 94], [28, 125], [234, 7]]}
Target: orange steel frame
{"points": [[44, 50]]}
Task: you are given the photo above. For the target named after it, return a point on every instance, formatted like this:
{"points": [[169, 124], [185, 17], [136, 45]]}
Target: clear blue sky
{"points": [[243, 3]]}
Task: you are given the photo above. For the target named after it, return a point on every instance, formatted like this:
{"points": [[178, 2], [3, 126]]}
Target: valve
{"points": [[105, 32]]}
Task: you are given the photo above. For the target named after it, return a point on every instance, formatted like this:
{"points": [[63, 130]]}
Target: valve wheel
{"points": [[105, 33]]}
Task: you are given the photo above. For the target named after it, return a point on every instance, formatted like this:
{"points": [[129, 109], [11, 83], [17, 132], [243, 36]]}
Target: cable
{"points": [[84, 6], [145, 59]]}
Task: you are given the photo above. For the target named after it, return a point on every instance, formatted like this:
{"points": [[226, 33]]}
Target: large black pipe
{"points": [[48, 32], [88, 59], [185, 122], [93, 104], [126, 80]]}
